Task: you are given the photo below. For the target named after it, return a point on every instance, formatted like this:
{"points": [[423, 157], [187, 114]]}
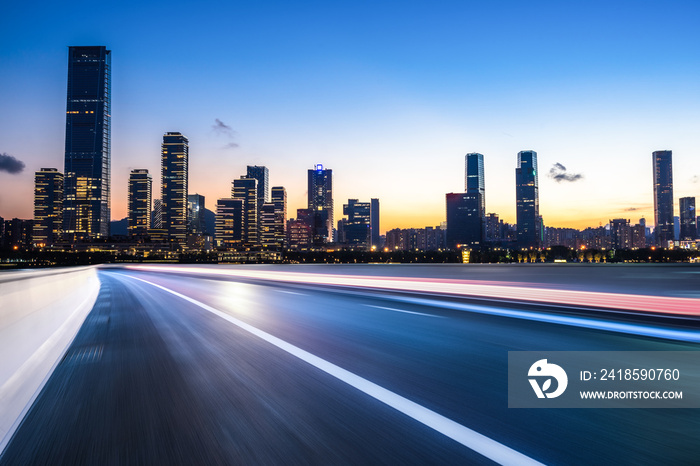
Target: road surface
{"points": [[190, 369]]}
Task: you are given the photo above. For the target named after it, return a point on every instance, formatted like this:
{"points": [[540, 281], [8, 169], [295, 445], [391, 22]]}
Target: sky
{"points": [[390, 95]]}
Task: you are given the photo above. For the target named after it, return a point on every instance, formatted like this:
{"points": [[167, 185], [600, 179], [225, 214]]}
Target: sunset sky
{"points": [[390, 95]]}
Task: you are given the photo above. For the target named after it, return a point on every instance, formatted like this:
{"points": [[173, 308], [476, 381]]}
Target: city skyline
{"points": [[596, 109]]}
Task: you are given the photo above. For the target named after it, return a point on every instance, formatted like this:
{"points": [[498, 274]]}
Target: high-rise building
{"points": [[527, 203], [246, 189], [157, 214], [229, 223], [279, 199], [620, 234], [174, 157], [374, 224], [357, 228], [464, 221], [86, 203], [140, 193], [689, 229], [48, 207], [474, 177], [639, 237], [298, 235], [196, 225], [262, 175], [320, 203], [663, 197]]}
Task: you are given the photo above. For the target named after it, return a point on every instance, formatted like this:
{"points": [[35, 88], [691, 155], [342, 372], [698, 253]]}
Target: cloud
{"points": [[222, 128], [10, 164], [630, 209], [695, 179], [558, 173]]}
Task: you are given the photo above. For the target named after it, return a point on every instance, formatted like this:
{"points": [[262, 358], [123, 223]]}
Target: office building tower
{"points": [[639, 237], [474, 177], [320, 203], [262, 175], [157, 214], [527, 204], [464, 221], [246, 189], [494, 228], [663, 197], [299, 234], [375, 236], [86, 202], [48, 207], [279, 199], [357, 227], [271, 227], [174, 157], [689, 229], [196, 225], [620, 233], [140, 193], [229, 223]]}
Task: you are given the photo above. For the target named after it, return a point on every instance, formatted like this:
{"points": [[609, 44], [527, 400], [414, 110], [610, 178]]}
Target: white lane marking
{"points": [[401, 310], [291, 292], [471, 439]]}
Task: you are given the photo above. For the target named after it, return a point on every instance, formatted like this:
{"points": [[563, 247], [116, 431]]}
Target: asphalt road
{"points": [[158, 378]]}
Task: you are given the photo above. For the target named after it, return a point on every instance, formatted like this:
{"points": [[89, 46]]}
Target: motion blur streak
{"points": [[648, 303], [467, 437], [620, 327]]}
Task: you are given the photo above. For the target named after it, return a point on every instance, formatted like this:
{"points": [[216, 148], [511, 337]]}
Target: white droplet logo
{"points": [[542, 369]]}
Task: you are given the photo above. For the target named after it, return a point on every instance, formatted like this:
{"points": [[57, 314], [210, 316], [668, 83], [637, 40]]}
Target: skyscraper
{"points": [[357, 226], [464, 222], [527, 203], [474, 177], [174, 157], [157, 214], [374, 223], [140, 193], [48, 206], [320, 197], [196, 225], [263, 176], [246, 189], [229, 223], [86, 204], [279, 199], [689, 228], [663, 197]]}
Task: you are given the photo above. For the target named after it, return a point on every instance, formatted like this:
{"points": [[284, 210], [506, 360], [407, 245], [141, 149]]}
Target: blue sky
{"points": [[390, 95]]}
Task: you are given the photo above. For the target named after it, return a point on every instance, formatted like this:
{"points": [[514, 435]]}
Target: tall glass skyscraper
{"points": [[140, 192], [474, 177], [174, 157], [86, 208], [527, 200], [320, 197], [374, 222], [689, 230], [261, 174], [663, 197], [196, 224], [465, 225], [246, 189]]}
